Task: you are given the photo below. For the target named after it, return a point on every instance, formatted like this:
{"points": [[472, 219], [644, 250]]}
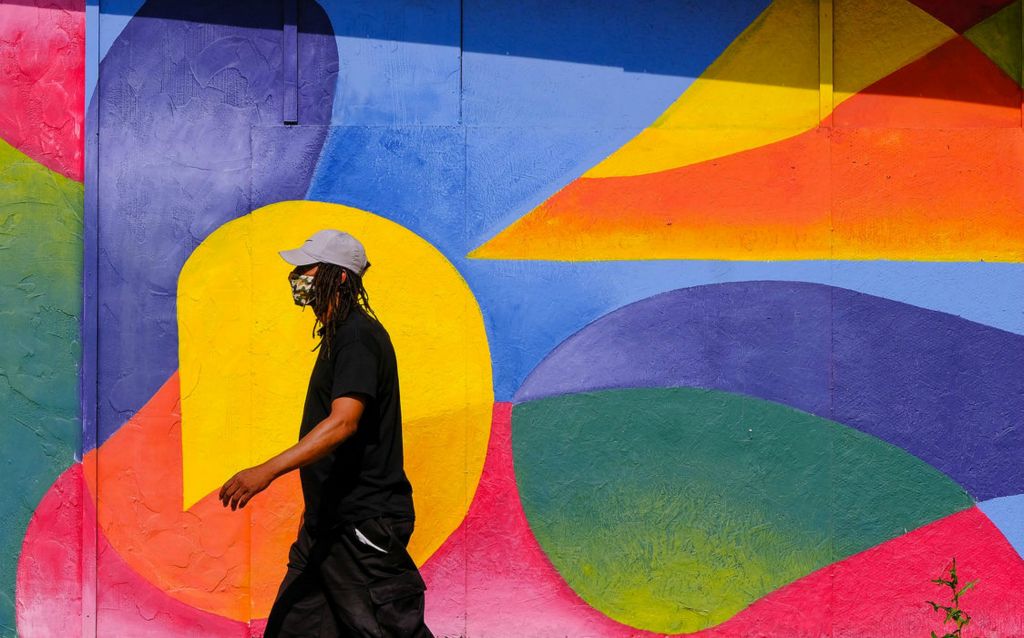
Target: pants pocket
{"points": [[398, 604]]}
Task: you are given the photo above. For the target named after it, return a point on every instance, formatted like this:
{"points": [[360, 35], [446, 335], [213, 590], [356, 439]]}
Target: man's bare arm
{"points": [[340, 424]]}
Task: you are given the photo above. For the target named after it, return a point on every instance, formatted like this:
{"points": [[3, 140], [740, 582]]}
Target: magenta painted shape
{"points": [[42, 81]]}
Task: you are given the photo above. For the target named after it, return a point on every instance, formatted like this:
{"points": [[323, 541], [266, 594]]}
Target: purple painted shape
{"points": [[768, 339], [178, 96], [948, 390]]}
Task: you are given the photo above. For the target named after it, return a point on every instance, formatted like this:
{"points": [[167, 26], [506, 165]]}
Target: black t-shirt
{"points": [[364, 475]]}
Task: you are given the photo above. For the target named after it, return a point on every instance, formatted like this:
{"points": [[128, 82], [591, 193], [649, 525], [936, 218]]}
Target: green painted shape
{"points": [[673, 509], [998, 37], [40, 306]]}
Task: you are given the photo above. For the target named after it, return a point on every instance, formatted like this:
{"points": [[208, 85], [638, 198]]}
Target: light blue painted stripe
{"points": [[523, 324], [103, 23], [1007, 513]]}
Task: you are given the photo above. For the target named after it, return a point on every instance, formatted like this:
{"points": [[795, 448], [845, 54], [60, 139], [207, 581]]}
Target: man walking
{"points": [[349, 573]]}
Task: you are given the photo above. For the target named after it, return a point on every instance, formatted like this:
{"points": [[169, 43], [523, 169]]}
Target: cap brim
{"points": [[297, 257]]}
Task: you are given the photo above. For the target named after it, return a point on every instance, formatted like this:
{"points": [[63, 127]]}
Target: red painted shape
{"points": [[881, 592], [491, 578], [42, 81], [899, 573], [49, 582], [961, 15], [954, 86]]}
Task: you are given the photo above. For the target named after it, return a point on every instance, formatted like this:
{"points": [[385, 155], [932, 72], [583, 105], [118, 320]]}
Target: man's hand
{"points": [[244, 485]]}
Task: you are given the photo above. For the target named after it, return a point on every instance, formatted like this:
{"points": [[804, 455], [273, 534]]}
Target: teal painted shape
{"points": [[40, 306], [673, 509]]}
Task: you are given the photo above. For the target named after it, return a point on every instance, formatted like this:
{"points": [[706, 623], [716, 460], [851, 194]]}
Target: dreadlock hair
{"points": [[333, 300]]}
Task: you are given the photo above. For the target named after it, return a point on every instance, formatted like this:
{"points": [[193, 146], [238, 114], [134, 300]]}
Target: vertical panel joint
{"points": [[290, 62], [825, 63]]}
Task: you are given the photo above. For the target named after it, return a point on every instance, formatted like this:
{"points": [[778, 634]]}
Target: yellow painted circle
{"points": [[245, 356]]}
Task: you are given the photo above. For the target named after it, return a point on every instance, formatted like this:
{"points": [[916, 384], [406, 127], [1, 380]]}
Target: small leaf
{"points": [[966, 587]]}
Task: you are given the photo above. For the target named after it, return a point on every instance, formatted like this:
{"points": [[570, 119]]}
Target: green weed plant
{"points": [[953, 613]]}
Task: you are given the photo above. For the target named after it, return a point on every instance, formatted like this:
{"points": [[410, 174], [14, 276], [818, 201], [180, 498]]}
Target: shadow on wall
{"points": [[651, 37]]}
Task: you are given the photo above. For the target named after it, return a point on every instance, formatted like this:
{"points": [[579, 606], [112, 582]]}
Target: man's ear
{"points": [[344, 276]]}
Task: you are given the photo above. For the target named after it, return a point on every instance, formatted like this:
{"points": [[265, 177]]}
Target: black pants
{"points": [[357, 581]]}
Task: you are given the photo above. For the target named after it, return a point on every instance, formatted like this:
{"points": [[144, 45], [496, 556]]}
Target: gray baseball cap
{"points": [[329, 246]]}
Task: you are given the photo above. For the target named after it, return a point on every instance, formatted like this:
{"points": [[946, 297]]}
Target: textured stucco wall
{"points": [[706, 316], [41, 127]]}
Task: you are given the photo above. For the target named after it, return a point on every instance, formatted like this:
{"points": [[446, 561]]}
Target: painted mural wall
{"points": [[709, 318], [42, 85]]}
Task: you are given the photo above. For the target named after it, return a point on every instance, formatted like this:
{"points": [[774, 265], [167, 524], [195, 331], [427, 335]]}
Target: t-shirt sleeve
{"points": [[355, 370]]}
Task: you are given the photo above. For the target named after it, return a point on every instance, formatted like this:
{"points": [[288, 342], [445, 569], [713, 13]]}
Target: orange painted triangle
{"points": [[961, 15], [929, 169], [209, 557]]}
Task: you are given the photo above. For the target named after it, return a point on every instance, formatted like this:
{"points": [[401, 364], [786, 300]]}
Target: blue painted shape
{"points": [[578, 84], [589, 62], [446, 183], [581, 63], [179, 93], [1007, 513], [114, 17], [410, 175], [512, 169], [103, 26], [928, 382], [399, 62]]}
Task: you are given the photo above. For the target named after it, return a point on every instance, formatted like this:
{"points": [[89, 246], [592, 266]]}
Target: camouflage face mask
{"points": [[302, 289]]}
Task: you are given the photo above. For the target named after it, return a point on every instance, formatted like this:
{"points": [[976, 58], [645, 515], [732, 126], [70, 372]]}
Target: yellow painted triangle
{"points": [[765, 85], [999, 37]]}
